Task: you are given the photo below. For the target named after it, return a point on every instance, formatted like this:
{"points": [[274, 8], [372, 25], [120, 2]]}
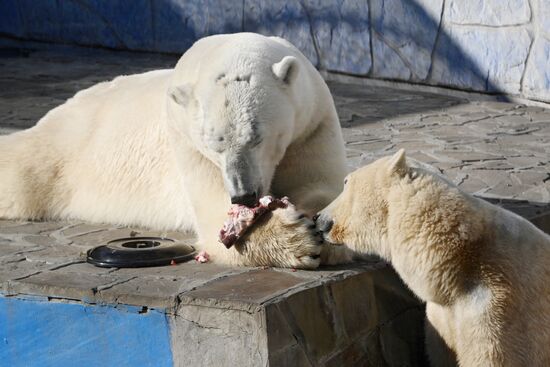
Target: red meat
{"points": [[241, 218]]}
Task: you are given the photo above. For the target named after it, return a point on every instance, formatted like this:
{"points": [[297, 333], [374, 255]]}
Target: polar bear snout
{"points": [[323, 223], [246, 199], [330, 231], [242, 178]]}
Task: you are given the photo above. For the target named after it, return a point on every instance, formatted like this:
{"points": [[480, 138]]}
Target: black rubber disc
{"points": [[137, 252]]}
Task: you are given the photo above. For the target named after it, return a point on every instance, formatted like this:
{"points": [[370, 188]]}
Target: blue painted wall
{"points": [[495, 46], [37, 332]]}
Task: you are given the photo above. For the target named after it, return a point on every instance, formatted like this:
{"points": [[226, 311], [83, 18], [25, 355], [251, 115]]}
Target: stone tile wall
{"points": [[494, 46]]}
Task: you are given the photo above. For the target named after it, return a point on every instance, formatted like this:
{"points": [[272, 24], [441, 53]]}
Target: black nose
{"points": [[246, 199], [323, 223]]}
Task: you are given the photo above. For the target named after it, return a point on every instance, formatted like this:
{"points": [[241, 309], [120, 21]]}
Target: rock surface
{"points": [[536, 83], [404, 34], [487, 59], [480, 45], [287, 19], [342, 35], [544, 17], [489, 12]]}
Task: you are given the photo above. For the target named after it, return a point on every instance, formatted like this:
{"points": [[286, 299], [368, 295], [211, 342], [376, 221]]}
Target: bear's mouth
{"points": [[335, 236], [330, 241]]}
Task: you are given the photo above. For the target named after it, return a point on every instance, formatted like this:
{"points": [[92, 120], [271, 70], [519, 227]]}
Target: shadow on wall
{"points": [[382, 39], [436, 42]]}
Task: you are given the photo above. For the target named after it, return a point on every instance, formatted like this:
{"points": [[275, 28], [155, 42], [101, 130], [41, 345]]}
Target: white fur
{"points": [[164, 149], [483, 271]]}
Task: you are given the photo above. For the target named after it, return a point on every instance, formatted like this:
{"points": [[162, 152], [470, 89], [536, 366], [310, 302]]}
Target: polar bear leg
{"points": [[313, 200], [334, 255], [285, 238], [312, 172], [439, 353], [320, 164]]}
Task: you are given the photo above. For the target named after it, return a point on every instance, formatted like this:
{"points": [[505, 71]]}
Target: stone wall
{"points": [[494, 46]]}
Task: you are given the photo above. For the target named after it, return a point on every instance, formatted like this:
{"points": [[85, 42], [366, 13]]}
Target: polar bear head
{"points": [[391, 205], [240, 114], [358, 217]]}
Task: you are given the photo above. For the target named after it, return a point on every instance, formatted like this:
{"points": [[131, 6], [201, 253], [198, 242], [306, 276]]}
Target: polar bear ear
{"points": [[398, 163], [286, 69], [180, 94]]}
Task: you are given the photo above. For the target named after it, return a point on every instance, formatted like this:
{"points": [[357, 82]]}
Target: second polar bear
{"points": [[240, 116], [484, 272]]}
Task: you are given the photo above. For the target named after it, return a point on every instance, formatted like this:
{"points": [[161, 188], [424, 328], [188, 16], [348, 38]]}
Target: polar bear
{"points": [[240, 116], [483, 271]]}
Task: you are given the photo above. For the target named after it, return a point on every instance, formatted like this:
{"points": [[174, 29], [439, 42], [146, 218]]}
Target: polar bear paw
{"points": [[285, 238]]}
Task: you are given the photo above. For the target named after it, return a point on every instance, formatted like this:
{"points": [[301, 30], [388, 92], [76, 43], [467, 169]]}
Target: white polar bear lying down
{"points": [[483, 271], [240, 116]]}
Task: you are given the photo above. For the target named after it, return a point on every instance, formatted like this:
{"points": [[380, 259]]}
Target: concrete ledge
{"points": [[198, 314], [485, 46]]}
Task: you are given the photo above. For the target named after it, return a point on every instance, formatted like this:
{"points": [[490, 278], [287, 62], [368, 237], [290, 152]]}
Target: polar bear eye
{"points": [[242, 78], [345, 181]]}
